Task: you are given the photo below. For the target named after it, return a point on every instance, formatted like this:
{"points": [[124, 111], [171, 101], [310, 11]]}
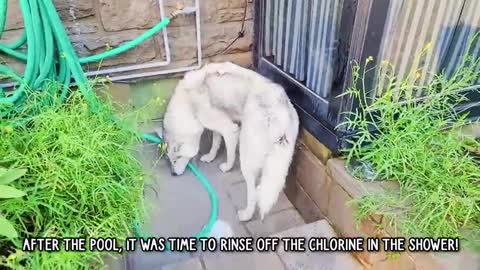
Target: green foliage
{"points": [[7, 192], [418, 146], [82, 181], [10, 175]]}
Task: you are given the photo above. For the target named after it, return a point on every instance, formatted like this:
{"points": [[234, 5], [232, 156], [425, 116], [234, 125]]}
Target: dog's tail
{"points": [[274, 174]]}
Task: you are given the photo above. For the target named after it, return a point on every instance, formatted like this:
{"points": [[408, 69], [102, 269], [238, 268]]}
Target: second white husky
{"points": [[241, 106]]}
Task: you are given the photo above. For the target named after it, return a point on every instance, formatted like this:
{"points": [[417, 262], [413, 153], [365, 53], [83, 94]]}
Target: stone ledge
{"points": [[375, 225], [302, 202], [317, 148], [115, 262], [311, 174], [315, 260], [275, 223], [354, 187], [332, 200], [342, 216]]}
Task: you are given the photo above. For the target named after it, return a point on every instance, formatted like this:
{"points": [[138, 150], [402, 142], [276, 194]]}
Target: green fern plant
{"points": [[8, 192]]}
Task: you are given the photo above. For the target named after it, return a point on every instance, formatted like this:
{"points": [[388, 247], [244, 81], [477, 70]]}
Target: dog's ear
{"points": [[159, 131]]}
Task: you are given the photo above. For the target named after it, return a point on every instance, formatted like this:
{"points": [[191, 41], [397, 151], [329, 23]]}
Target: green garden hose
{"points": [[3, 15], [128, 45], [50, 56]]}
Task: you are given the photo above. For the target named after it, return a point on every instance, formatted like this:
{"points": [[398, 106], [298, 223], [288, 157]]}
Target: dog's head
{"points": [[181, 132], [180, 149]]}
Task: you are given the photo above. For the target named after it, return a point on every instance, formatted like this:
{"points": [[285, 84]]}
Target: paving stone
{"points": [[228, 213], [139, 260], [190, 264], [275, 223], [233, 177], [225, 179], [243, 261], [211, 169], [315, 260], [115, 262], [302, 202]]}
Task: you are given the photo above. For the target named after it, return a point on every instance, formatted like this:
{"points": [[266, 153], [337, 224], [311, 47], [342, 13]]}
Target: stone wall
{"points": [[95, 25], [320, 188]]}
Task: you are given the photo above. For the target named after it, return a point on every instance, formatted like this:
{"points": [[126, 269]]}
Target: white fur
{"points": [[220, 97]]}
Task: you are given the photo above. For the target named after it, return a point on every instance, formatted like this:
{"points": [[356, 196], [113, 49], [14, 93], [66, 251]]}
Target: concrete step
{"points": [[315, 260], [242, 261], [189, 264]]}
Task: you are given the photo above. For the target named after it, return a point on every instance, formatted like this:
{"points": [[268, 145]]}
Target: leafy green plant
{"points": [[83, 179], [417, 145], [7, 192]]}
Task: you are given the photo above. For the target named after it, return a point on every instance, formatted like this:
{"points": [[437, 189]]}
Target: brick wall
{"points": [[95, 25]]}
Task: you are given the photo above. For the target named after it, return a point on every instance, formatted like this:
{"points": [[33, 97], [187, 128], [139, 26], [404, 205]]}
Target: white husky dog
{"points": [[241, 106]]}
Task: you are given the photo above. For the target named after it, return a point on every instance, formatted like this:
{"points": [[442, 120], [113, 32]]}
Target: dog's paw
{"points": [[225, 167], [243, 215], [207, 158]]}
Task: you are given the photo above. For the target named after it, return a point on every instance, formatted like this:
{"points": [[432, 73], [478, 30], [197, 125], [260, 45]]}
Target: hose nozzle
{"points": [[181, 10]]}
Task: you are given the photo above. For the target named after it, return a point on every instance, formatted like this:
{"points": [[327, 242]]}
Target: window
{"points": [[308, 47]]}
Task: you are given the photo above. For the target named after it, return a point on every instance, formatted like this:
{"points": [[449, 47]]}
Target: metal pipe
{"points": [[176, 70], [141, 66], [199, 38], [152, 73]]}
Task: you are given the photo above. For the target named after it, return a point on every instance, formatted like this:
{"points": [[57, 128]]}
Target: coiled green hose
{"points": [[51, 56]]}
